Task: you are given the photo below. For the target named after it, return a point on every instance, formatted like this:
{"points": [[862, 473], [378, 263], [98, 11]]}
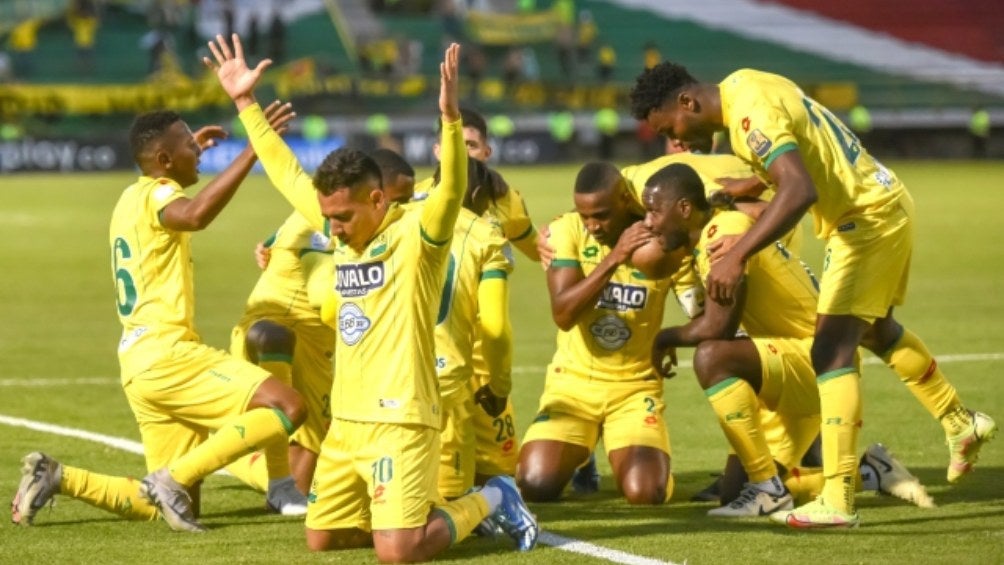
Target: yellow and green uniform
{"points": [[384, 302], [298, 255], [479, 253], [601, 376]]}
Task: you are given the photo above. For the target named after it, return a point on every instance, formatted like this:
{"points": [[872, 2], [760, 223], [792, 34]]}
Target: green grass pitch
{"points": [[59, 332]]}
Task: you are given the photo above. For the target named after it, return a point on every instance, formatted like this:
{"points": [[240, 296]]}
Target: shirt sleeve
{"points": [[562, 239], [766, 128], [439, 215], [162, 195]]}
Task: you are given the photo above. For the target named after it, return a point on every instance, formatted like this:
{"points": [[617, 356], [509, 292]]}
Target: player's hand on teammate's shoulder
{"points": [[279, 115], [632, 238], [748, 187], [232, 70], [262, 255], [449, 84], [544, 248], [492, 405], [663, 357]]}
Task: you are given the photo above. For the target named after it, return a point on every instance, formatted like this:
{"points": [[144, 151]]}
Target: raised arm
{"points": [[194, 214], [280, 164], [795, 195], [573, 293], [443, 205]]}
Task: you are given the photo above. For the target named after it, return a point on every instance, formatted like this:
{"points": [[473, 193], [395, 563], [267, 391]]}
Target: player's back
{"points": [[708, 167], [768, 115], [478, 251], [781, 293], [152, 270]]}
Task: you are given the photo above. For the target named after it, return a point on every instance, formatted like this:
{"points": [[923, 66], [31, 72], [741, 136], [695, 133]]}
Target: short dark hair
{"points": [[679, 181], [484, 186], [391, 165], [345, 167], [596, 176], [471, 119], [656, 85], [148, 127]]}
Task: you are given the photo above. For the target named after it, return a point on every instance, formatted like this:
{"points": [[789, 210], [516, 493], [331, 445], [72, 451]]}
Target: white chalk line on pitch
{"points": [[558, 542], [519, 370]]}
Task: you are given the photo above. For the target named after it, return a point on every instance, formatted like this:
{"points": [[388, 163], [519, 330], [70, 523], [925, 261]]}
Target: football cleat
{"points": [[173, 501], [586, 478], [283, 498], [40, 476], [893, 477], [512, 515], [964, 449], [816, 514], [754, 502]]}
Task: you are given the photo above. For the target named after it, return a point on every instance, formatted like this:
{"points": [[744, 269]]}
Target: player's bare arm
{"points": [[194, 214], [795, 195], [573, 293], [719, 321]]}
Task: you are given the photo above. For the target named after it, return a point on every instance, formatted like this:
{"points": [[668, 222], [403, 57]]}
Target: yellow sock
{"points": [[251, 470], [115, 494], [463, 515], [280, 365], [738, 410], [670, 486], [247, 433], [916, 367], [806, 483], [840, 414]]}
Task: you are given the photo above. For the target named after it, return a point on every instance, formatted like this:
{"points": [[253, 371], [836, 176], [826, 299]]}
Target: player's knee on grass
{"points": [[267, 337], [538, 485], [643, 474], [326, 540]]}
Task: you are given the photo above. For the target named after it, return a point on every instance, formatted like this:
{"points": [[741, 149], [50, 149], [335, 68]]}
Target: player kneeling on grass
{"points": [[601, 377], [179, 389], [770, 365]]}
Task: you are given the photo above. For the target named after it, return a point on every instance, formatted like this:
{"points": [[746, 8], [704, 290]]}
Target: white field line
{"points": [[518, 370], [546, 538]]}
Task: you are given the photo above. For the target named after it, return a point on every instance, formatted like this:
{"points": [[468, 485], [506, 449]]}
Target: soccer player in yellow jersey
{"points": [[864, 213], [497, 443], [474, 305], [601, 378], [282, 329], [179, 389], [375, 481], [775, 307]]}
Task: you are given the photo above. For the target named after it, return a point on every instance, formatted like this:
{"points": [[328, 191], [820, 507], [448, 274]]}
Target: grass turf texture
{"points": [[59, 323]]}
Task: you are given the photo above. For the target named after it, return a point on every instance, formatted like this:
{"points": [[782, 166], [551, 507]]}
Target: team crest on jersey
{"points": [[590, 252], [319, 241], [610, 332], [746, 123], [357, 279], [352, 323], [622, 297], [759, 143]]}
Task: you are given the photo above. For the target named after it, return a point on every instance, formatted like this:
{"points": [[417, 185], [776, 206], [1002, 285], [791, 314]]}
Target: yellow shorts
{"points": [[312, 374], [374, 476], [789, 397], [576, 410], [496, 444], [867, 266], [190, 392], [457, 447]]}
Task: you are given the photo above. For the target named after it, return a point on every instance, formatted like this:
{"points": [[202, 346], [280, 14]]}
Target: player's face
{"points": [[604, 214], [663, 218], [354, 215], [477, 145], [180, 155], [679, 119], [401, 190]]}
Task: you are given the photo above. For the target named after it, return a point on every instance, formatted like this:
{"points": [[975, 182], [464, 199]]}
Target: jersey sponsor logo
{"points": [[623, 297], [759, 143], [610, 332], [359, 278], [352, 323]]}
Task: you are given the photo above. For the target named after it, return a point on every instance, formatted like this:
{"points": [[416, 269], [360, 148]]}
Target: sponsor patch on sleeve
{"points": [[759, 143]]}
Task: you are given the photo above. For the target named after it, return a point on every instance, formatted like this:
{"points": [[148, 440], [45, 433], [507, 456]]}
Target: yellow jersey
{"points": [[385, 297], [478, 252], [153, 275], [708, 167], [613, 341], [509, 212], [781, 292], [768, 115]]}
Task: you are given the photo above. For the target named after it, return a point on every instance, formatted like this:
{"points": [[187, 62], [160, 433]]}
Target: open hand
{"points": [[631, 239], [262, 255], [279, 115], [237, 79], [544, 248], [207, 136], [449, 84]]}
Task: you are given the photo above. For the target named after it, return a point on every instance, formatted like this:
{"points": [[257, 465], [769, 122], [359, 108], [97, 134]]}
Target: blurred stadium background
{"points": [[915, 79]]}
